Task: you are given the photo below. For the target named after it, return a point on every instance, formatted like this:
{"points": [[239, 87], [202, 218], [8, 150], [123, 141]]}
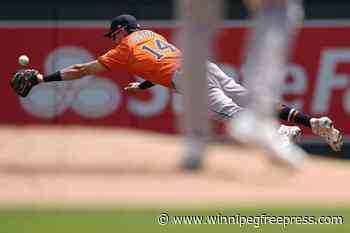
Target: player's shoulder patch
{"points": [[142, 35]]}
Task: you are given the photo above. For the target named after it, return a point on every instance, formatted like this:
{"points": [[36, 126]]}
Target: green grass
{"points": [[133, 220]]}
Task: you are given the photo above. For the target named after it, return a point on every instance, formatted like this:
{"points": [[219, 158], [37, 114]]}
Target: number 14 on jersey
{"points": [[160, 48]]}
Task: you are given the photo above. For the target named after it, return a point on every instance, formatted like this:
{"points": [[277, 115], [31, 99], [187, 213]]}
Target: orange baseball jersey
{"points": [[146, 54]]}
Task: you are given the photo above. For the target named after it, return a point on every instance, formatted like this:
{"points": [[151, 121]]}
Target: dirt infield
{"points": [[97, 166]]}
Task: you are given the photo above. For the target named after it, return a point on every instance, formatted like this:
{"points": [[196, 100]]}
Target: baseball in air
{"points": [[23, 60]]}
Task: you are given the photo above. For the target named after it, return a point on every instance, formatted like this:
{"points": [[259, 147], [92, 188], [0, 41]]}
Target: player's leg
{"points": [[221, 107], [238, 98], [322, 126], [232, 89], [271, 37], [224, 108], [265, 67], [226, 88], [200, 18]]}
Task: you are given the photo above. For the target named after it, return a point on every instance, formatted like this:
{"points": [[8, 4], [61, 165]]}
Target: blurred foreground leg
{"points": [[268, 46], [199, 18], [274, 29]]}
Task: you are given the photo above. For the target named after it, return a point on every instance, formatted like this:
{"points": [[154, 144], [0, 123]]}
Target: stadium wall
{"points": [[317, 83]]}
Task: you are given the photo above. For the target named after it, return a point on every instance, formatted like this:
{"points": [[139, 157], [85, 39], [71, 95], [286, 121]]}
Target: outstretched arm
{"points": [[72, 72], [24, 80]]}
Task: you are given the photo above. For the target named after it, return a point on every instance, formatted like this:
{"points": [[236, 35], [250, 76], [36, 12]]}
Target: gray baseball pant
{"points": [[225, 96]]}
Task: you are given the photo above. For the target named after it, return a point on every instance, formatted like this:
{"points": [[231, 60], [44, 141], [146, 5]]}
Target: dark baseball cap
{"points": [[127, 21]]}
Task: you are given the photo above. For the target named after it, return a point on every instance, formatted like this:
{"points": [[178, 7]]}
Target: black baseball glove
{"points": [[23, 81]]}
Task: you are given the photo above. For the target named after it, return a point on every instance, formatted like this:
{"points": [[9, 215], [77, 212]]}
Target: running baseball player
{"points": [[275, 25], [149, 55]]}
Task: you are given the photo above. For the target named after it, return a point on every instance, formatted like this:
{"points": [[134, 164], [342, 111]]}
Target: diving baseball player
{"points": [[149, 55]]}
